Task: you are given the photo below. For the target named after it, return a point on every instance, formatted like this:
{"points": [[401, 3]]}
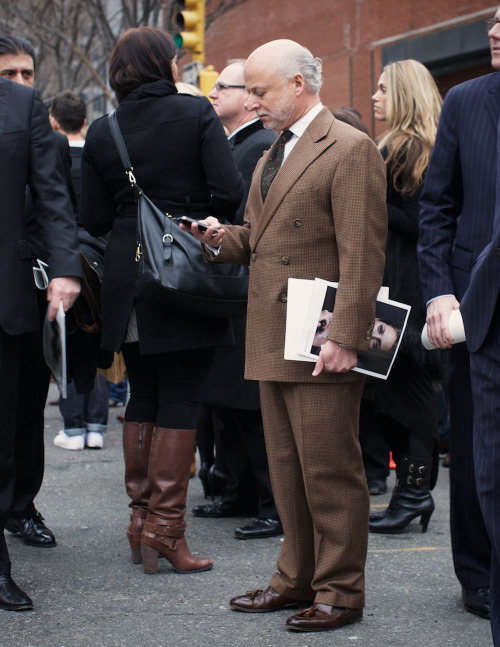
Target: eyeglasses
{"points": [[491, 22], [225, 86]]}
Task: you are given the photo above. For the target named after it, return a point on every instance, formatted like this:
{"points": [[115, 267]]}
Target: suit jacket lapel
{"points": [[311, 145], [4, 102]]}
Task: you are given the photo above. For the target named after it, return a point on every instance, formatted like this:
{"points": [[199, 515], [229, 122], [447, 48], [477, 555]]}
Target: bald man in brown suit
{"points": [[316, 208]]}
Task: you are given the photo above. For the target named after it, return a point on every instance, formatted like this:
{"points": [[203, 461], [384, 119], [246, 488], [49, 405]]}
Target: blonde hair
{"points": [[412, 113]]}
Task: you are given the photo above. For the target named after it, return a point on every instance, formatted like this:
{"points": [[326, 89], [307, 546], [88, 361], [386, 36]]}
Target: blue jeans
{"points": [[85, 412]]}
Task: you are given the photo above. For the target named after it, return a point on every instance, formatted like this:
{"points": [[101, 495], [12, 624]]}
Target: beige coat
{"points": [[324, 216]]}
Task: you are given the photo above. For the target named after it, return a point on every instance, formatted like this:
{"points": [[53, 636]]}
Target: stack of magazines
{"points": [[310, 305]]}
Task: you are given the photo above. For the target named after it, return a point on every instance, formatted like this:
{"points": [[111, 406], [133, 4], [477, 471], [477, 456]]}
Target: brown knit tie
{"points": [[274, 161]]}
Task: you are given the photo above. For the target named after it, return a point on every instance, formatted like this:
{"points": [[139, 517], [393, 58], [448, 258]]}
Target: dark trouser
{"points": [[471, 546], [165, 388], [86, 411], [244, 445], [34, 379], [373, 444], [485, 382], [9, 381]]}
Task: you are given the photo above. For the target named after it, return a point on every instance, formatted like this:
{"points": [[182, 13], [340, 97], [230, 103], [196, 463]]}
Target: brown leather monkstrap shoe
{"points": [[323, 617], [263, 601]]}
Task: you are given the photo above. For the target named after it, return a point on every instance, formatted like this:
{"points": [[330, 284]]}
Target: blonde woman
{"points": [[408, 101]]}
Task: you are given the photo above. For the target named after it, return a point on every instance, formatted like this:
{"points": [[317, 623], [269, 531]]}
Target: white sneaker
{"points": [[64, 441], [94, 440]]}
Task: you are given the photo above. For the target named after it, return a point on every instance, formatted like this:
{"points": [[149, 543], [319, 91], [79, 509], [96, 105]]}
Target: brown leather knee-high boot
{"points": [[137, 438], [163, 532]]}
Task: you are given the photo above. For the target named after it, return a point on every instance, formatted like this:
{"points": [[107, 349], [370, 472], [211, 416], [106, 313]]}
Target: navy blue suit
{"points": [[457, 224]]}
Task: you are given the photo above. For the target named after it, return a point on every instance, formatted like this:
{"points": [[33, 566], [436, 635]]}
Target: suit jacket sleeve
{"points": [[53, 208], [358, 200], [440, 205]]}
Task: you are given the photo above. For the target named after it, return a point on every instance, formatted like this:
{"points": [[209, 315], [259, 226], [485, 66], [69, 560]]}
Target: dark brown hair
{"points": [[350, 116], [141, 55]]}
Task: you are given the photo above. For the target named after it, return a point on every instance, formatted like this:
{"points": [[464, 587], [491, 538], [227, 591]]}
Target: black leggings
{"points": [[165, 388]]}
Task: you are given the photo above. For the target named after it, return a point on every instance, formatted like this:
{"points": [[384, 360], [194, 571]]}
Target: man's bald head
{"points": [[287, 58], [283, 80], [229, 96]]}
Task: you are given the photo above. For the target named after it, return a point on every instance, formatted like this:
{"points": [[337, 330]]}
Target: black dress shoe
{"points": [[260, 528], [33, 531], [11, 596], [217, 510], [477, 601], [377, 486]]}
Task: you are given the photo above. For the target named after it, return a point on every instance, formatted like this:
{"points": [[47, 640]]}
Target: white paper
{"points": [[54, 348], [457, 330]]}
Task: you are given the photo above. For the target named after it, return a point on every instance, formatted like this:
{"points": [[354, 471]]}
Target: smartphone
{"points": [[189, 221]]}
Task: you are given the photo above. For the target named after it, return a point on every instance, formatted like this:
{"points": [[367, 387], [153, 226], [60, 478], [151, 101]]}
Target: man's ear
{"points": [[299, 84], [54, 123]]}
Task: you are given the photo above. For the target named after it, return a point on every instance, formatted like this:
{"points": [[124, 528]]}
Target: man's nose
{"points": [[250, 103]]}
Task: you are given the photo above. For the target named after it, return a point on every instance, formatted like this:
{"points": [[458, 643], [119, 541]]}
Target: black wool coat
{"points": [[182, 161]]}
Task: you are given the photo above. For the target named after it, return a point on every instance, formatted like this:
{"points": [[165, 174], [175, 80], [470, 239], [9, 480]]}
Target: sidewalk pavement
{"points": [[87, 592]]}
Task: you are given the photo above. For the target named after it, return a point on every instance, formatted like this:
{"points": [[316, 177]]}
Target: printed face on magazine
{"points": [[384, 335]]}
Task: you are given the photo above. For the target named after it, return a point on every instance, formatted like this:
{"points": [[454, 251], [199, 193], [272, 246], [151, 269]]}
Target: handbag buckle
{"points": [[131, 176], [138, 252]]}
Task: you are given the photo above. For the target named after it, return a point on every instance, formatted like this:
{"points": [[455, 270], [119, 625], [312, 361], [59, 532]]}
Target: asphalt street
{"points": [[87, 592]]}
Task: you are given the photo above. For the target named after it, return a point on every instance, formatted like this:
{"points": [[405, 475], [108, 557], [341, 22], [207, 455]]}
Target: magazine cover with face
{"points": [[314, 329]]}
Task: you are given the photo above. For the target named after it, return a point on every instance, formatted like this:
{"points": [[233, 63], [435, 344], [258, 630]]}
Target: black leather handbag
{"points": [[171, 268]]}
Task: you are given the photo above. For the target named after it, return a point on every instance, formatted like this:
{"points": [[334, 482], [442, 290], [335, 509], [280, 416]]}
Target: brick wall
{"points": [[344, 33]]}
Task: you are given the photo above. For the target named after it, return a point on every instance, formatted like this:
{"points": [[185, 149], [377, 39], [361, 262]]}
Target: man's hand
{"points": [[208, 237], [65, 289], [335, 359], [438, 316]]}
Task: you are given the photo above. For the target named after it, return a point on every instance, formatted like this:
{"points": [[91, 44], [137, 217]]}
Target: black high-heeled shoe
{"points": [[411, 499]]}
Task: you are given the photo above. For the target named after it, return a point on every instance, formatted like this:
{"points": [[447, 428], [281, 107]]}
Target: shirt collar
{"points": [[247, 123], [300, 126]]}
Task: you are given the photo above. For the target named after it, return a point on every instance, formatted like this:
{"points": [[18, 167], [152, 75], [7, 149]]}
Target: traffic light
{"points": [[207, 78], [191, 21]]}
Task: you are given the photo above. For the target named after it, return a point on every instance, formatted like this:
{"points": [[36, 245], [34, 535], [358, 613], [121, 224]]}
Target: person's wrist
{"points": [[346, 346]]}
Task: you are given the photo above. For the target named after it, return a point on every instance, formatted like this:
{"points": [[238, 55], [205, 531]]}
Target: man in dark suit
{"points": [[28, 158], [235, 400], [316, 208], [17, 64], [459, 260]]}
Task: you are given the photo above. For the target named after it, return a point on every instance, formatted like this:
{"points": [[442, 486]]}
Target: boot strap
{"points": [[166, 531], [138, 512]]}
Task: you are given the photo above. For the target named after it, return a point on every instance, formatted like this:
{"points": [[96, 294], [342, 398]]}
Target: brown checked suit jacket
{"points": [[325, 216]]}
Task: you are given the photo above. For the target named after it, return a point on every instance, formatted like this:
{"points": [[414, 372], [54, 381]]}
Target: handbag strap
{"points": [[117, 136]]}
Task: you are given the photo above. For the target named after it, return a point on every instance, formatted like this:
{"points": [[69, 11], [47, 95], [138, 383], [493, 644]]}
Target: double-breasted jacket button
{"points": [[253, 256], [285, 260], [297, 222], [282, 297]]}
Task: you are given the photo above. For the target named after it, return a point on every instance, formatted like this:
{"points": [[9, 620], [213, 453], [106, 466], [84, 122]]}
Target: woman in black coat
{"points": [[183, 163], [408, 100]]}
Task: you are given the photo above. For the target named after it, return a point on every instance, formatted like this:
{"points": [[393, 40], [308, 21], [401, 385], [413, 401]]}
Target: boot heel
{"points": [[424, 520], [149, 559], [136, 555]]}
